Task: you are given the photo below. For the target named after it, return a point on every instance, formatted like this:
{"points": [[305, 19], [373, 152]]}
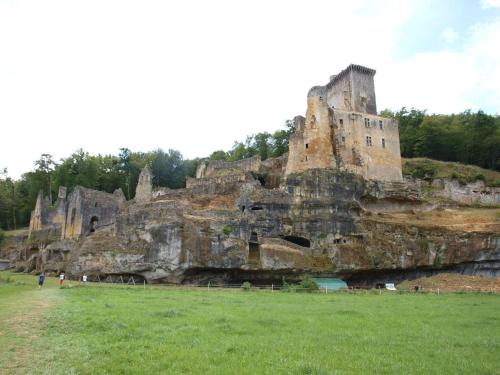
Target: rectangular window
{"points": [[383, 142], [381, 124], [367, 122], [343, 140], [307, 145], [341, 122], [368, 140]]}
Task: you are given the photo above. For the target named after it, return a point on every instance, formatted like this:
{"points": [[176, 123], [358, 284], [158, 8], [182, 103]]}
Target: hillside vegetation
{"points": [[427, 168]]}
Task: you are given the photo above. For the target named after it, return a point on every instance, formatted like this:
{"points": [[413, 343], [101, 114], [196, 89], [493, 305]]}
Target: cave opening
{"points": [[93, 223], [257, 208], [301, 241]]}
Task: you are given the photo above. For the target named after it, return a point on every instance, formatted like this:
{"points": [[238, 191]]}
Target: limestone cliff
{"points": [[321, 221]]}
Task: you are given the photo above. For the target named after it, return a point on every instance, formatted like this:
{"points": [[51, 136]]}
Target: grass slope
{"points": [[423, 167], [106, 330]]}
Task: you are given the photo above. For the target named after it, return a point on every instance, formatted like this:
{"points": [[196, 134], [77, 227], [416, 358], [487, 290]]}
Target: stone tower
{"points": [[143, 191], [353, 89], [342, 130]]}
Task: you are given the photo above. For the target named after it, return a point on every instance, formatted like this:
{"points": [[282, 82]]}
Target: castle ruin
{"points": [[313, 210], [342, 130]]}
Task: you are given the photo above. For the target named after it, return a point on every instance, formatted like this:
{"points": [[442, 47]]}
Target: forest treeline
{"points": [[471, 138]]}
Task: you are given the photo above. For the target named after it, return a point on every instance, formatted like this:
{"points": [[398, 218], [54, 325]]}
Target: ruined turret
{"points": [[143, 191]]}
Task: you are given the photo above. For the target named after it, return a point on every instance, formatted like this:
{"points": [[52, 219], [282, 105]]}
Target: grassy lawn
{"points": [[115, 330]]}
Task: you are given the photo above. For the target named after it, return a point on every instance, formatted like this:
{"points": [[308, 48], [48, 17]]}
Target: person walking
{"points": [[61, 279], [41, 280], [84, 279]]}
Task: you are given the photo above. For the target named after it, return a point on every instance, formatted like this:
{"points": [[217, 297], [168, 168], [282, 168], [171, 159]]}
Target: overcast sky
{"points": [[197, 75]]}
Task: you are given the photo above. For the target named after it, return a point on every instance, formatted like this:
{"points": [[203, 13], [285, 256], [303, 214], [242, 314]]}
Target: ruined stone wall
{"points": [[353, 138], [46, 216], [210, 168], [90, 210], [218, 185], [369, 145], [143, 191], [472, 193], [312, 147], [39, 213]]}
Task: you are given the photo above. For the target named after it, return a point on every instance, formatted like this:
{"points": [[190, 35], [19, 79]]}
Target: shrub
{"points": [[226, 229], [286, 287], [2, 235], [462, 180], [308, 284], [479, 176], [246, 286], [421, 170], [495, 183]]}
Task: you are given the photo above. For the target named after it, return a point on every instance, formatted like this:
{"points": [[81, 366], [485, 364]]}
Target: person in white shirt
{"points": [[61, 278], [84, 279]]}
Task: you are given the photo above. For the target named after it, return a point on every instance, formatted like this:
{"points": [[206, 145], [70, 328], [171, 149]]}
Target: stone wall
{"points": [[218, 185], [353, 89], [356, 140], [472, 193], [369, 145], [210, 168], [48, 216], [89, 210], [143, 191]]}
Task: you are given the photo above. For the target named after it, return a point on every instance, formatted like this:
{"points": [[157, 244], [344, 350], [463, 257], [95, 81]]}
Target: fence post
{"points": [[208, 286], [438, 291], [272, 288], [144, 284], [326, 289]]}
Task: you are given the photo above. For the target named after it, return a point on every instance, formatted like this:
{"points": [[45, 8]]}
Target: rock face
{"points": [[234, 226]]}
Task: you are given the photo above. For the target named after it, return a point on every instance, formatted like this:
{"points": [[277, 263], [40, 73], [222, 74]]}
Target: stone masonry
{"points": [[342, 130]]}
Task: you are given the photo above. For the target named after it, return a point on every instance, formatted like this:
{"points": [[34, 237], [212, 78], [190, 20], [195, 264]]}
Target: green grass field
{"points": [[120, 330]]}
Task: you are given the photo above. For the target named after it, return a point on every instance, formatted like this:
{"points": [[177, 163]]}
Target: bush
{"points": [[286, 287], [246, 286], [479, 176], [226, 229], [2, 235], [495, 183], [308, 284], [462, 180]]}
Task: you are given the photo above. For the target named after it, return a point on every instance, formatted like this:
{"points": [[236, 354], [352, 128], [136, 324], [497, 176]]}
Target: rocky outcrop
{"points": [[472, 193], [235, 228]]}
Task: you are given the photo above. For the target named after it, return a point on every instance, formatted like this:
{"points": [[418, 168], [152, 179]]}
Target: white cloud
{"points": [[197, 75], [448, 81], [485, 4], [449, 35]]}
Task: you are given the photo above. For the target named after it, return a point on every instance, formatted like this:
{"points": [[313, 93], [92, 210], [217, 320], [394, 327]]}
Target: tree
{"points": [[45, 166]]}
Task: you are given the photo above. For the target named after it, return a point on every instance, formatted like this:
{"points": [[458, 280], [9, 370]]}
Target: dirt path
{"points": [[21, 324]]}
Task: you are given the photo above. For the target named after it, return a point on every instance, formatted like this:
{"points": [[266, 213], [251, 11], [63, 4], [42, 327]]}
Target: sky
{"points": [[196, 76]]}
